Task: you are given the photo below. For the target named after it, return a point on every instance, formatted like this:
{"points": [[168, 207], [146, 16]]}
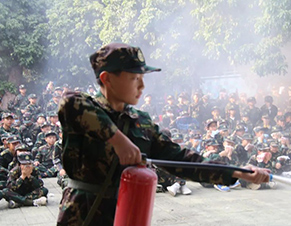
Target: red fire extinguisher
{"points": [[136, 197]]}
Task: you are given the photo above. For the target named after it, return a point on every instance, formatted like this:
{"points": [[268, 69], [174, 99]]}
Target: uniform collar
{"points": [[103, 102]]}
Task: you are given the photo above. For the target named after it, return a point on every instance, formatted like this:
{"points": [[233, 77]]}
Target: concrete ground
{"points": [[204, 207]]}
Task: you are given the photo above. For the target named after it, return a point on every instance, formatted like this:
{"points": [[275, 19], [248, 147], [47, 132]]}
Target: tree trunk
{"points": [[15, 77]]}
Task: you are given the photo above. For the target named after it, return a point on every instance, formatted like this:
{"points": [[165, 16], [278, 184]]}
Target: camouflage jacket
{"points": [[45, 155], [17, 184], [20, 101], [12, 130], [5, 158], [88, 123], [33, 109], [57, 155], [52, 106]]}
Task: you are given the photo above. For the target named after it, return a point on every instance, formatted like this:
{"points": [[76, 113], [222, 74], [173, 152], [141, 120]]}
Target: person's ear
{"points": [[105, 78]]}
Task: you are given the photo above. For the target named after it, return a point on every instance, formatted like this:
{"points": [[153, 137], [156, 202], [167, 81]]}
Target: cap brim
{"points": [[142, 70]]}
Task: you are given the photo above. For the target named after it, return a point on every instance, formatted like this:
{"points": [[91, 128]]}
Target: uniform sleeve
{"points": [[14, 181], [79, 114]]}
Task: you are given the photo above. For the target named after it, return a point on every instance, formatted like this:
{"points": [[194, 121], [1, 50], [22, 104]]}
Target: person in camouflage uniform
{"points": [[93, 141], [253, 112], [6, 158], [43, 159], [148, 106], [40, 139], [24, 186], [7, 126], [196, 108], [53, 120], [28, 130], [18, 148], [32, 107], [57, 161], [20, 101], [53, 105]]}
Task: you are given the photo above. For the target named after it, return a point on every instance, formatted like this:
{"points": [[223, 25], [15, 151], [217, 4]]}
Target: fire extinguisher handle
{"points": [[144, 159]]}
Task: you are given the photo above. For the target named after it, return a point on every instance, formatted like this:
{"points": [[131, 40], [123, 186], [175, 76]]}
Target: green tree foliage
{"points": [[22, 39], [246, 31]]}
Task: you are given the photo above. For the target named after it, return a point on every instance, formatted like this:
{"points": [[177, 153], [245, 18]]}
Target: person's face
{"points": [[251, 103], [195, 98], [212, 126], [148, 99], [266, 120], [274, 149], [12, 146], [8, 121], [231, 100], [32, 100], [240, 132], [231, 112], [281, 123], [222, 95], [40, 120], [215, 112], [51, 139], [170, 101], [54, 119], [245, 142], [212, 148], [276, 135], [45, 129], [268, 104], [260, 134], [224, 133], [126, 87], [22, 91], [245, 119]]}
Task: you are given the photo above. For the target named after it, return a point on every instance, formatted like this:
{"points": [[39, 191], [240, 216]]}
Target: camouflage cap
{"points": [[21, 147], [22, 86], [58, 88], [240, 128], [259, 128], [273, 143], [32, 96], [223, 127], [52, 114], [276, 129], [230, 139], [215, 108], [251, 99], [280, 118], [211, 142], [45, 124], [6, 115], [24, 158], [177, 136], [263, 147], [119, 57], [247, 136], [57, 95], [50, 133], [209, 121], [40, 115], [5, 136], [13, 139]]}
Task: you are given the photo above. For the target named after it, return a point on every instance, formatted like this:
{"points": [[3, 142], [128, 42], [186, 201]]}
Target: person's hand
{"points": [[260, 175], [26, 170], [62, 172], [128, 152], [36, 163], [278, 165]]}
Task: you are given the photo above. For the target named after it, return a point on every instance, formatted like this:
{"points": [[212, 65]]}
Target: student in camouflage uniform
{"points": [[28, 131], [20, 101], [43, 159], [33, 108], [57, 161], [148, 106], [92, 137], [7, 127], [53, 120], [24, 186], [53, 105], [18, 148], [6, 158], [40, 140]]}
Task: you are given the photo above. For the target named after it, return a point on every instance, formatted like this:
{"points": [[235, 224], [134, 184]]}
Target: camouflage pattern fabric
{"points": [[166, 179], [24, 191], [87, 124], [44, 157]]}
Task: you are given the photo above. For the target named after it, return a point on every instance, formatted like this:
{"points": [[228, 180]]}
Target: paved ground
{"points": [[205, 207]]}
